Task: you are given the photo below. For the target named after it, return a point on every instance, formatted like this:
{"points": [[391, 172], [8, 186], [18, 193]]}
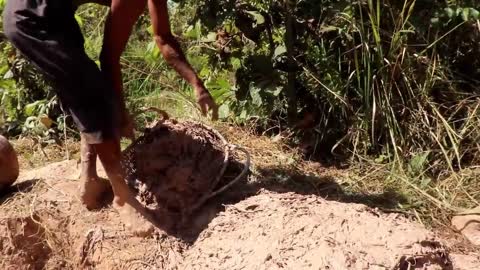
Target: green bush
{"points": [[396, 80]]}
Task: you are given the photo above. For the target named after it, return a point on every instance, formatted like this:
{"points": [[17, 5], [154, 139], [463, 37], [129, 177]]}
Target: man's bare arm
{"points": [[118, 27], [122, 16], [169, 46], [174, 55]]}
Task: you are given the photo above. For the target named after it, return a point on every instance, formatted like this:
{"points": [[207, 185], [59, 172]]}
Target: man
{"points": [[46, 32]]}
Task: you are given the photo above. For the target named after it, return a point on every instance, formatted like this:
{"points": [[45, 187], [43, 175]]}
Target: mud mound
{"points": [[290, 231], [174, 165]]}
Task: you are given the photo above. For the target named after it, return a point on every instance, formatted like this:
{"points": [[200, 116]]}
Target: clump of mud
{"points": [[174, 165], [23, 243]]}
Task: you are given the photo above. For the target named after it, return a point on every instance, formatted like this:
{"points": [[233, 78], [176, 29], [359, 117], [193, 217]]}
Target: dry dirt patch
{"points": [[291, 231], [45, 227]]}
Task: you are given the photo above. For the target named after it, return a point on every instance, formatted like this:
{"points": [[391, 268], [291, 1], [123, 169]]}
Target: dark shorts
{"points": [[46, 32]]}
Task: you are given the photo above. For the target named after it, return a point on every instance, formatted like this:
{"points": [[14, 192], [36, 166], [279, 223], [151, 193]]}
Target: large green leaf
{"points": [[449, 12], [259, 19], [194, 31], [31, 108], [281, 49], [78, 19], [153, 51], [211, 37], [255, 95], [475, 14], [417, 164], [465, 14], [236, 63]]}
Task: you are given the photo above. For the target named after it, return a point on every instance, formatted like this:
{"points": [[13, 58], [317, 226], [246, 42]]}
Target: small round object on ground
{"points": [[9, 168]]}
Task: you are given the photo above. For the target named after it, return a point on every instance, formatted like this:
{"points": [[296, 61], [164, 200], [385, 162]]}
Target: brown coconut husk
{"points": [[9, 168]]}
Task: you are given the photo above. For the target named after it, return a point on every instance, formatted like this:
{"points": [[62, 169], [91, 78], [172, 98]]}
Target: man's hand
{"points": [[206, 102], [175, 57]]}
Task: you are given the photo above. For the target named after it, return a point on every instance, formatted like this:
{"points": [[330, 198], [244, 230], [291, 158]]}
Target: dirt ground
{"points": [[43, 226]]}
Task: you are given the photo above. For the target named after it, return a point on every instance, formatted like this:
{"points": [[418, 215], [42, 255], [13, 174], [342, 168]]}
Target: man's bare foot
{"points": [[134, 216], [93, 192]]}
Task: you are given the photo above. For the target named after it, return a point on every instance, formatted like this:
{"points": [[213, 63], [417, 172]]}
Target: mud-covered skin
{"points": [[93, 192], [135, 217], [93, 189], [9, 168]]}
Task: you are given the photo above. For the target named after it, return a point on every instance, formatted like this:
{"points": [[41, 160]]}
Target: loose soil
{"points": [[259, 223], [44, 226]]}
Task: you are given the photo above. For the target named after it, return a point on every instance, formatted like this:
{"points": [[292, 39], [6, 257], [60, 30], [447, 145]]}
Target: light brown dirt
{"points": [[44, 226], [469, 225], [24, 242], [291, 231]]}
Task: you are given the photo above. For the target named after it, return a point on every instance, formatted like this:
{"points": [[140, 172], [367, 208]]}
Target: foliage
{"points": [[378, 77], [397, 80]]}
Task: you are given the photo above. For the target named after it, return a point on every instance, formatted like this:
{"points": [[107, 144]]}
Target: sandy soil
{"points": [[44, 226]]}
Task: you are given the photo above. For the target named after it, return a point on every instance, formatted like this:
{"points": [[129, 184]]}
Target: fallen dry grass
{"points": [[33, 154]]}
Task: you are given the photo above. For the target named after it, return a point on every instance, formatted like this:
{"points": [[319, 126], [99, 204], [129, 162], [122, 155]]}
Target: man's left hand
{"points": [[206, 102]]}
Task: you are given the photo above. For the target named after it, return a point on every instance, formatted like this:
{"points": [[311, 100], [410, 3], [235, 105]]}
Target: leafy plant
{"points": [[389, 79]]}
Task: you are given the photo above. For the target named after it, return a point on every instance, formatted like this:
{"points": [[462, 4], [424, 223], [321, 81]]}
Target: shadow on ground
{"points": [[282, 180], [22, 187]]}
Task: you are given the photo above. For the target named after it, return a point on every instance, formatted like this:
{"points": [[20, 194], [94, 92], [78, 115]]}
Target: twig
{"points": [[65, 136]]}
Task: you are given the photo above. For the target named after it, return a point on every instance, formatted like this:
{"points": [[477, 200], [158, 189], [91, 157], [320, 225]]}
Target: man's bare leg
{"points": [[132, 212], [92, 187]]}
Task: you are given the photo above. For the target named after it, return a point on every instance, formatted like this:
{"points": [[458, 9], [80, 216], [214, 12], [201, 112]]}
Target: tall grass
{"points": [[399, 99], [402, 105]]}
